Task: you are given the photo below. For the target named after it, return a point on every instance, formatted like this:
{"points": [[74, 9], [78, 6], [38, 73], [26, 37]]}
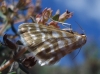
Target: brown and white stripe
{"points": [[49, 45]]}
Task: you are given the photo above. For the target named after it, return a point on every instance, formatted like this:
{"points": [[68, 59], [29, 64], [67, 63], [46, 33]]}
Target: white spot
{"points": [[42, 64], [43, 39], [44, 29], [23, 41], [39, 61], [29, 32], [48, 61], [64, 34], [48, 43], [61, 43], [7, 63], [52, 50], [33, 36], [69, 41], [51, 46], [43, 49], [37, 29], [29, 28], [55, 34], [43, 36], [78, 37]]}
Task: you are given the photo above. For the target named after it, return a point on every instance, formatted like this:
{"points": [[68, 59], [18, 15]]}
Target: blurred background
{"points": [[87, 14]]}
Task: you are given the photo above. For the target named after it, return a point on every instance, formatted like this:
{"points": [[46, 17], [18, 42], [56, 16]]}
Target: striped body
{"points": [[48, 44]]}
